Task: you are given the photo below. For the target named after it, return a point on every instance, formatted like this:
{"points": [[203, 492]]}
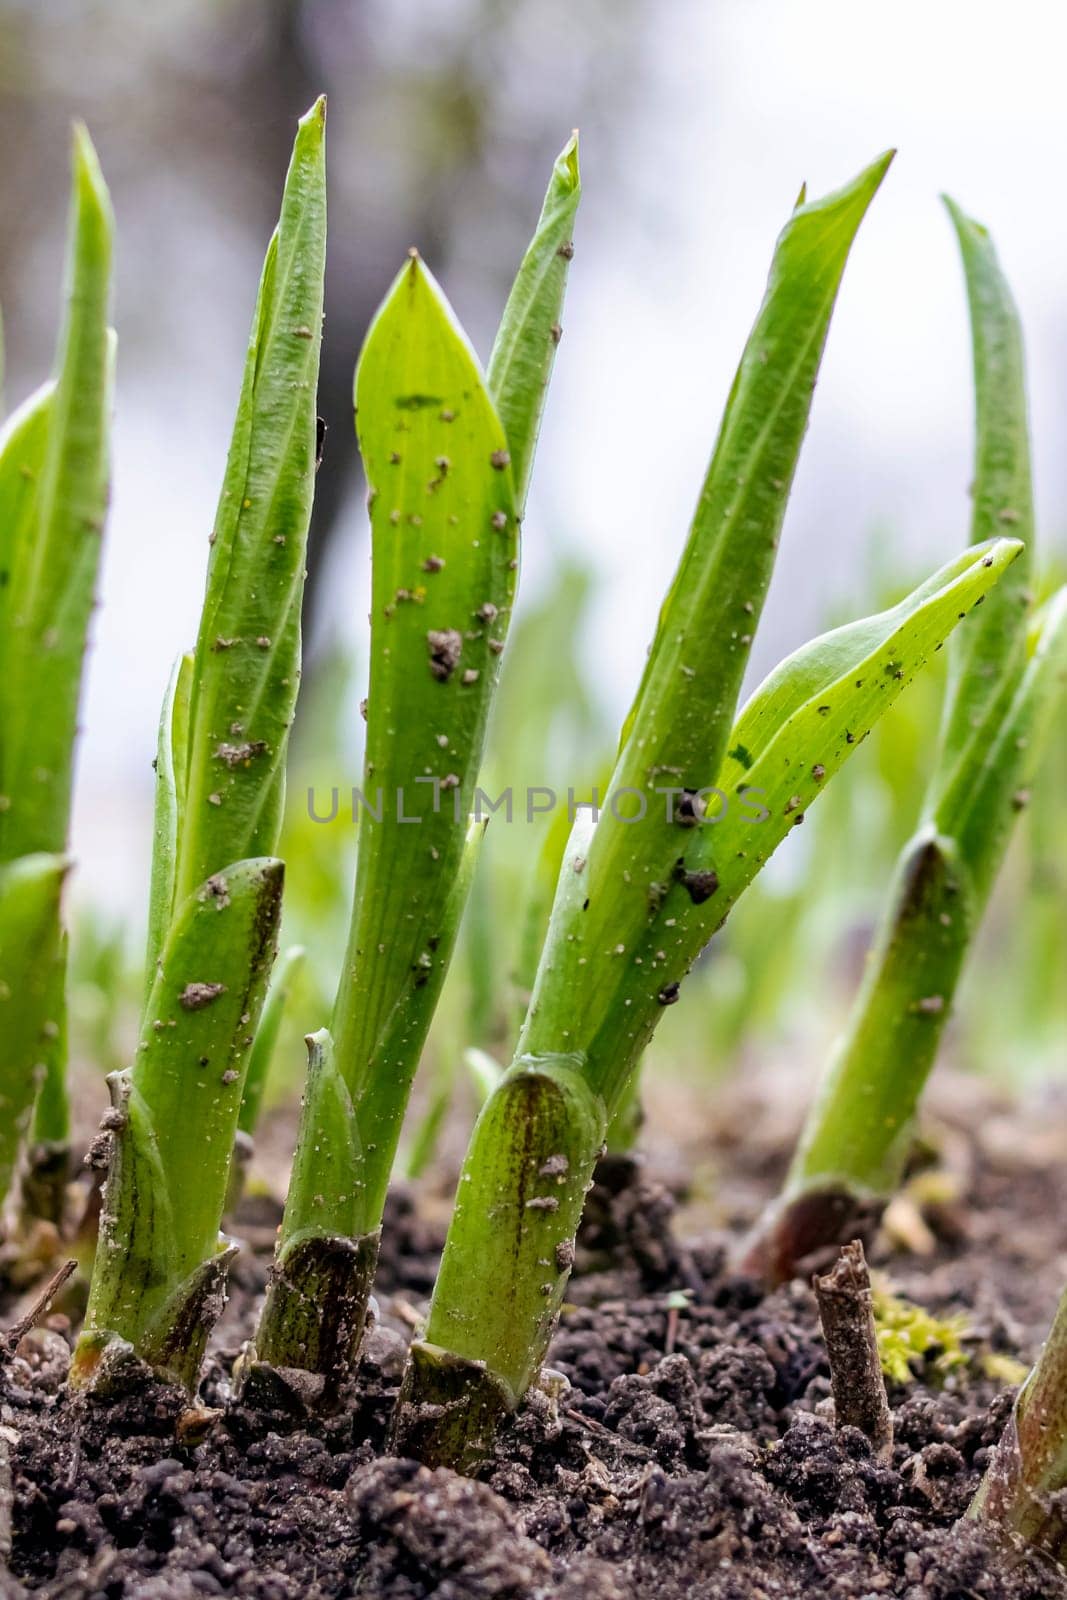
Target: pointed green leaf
{"points": [[247, 666], [793, 735], [675, 735], [444, 555], [983, 658], [524, 350], [59, 448]]}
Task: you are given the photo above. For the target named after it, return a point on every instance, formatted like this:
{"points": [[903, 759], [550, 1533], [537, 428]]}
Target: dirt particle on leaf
{"points": [[240, 755], [445, 646], [433, 564], [195, 996], [689, 809], [216, 888], [699, 886], [554, 1167]]}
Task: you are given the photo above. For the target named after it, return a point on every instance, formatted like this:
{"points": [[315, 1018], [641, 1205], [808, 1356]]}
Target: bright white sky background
{"points": [[749, 97]]}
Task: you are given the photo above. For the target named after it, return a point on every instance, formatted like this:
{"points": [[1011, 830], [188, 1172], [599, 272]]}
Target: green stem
{"points": [[506, 1263], [158, 1282], [1006, 679], [857, 1137]]}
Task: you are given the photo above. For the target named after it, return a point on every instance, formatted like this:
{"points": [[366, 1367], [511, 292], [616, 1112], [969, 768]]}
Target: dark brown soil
{"points": [[694, 1456]]}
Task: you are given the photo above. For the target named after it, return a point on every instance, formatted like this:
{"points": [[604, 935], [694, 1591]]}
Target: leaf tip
{"points": [[567, 167], [965, 226], [1001, 551], [313, 122], [90, 189]]}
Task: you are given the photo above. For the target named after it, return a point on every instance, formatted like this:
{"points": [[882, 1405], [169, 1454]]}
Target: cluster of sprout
{"points": [[623, 906]]}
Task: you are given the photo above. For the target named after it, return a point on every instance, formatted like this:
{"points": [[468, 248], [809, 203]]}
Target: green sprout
{"points": [[1007, 672], [447, 453], [53, 499], [644, 884], [159, 1276]]}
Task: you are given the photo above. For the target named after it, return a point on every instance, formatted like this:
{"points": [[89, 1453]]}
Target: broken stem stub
{"points": [[847, 1316]]}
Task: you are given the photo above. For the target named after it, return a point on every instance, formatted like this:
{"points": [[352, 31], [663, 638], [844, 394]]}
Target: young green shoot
{"points": [[1007, 671], [638, 898], [159, 1278], [644, 885], [447, 457]]}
